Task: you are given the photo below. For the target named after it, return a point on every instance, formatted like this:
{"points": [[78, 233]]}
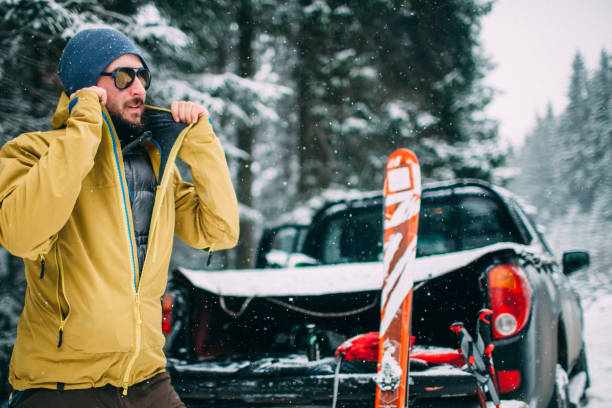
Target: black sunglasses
{"points": [[124, 76]]}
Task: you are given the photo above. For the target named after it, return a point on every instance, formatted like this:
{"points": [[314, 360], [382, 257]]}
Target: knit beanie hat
{"points": [[88, 53]]}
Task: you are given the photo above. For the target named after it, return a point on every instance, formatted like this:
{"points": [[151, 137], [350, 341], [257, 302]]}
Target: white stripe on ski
{"points": [[395, 301], [394, 275], [397, 197], [392, 246], [405, 211]]}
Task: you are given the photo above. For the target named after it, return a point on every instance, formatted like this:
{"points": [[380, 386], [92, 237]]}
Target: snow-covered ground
{"points": [[596, 294]]}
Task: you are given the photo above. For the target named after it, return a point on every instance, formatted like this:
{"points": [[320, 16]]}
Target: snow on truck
{"points": [[297, 330]]}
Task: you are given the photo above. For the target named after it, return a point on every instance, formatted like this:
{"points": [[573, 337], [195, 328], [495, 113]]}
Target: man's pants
{"points": [[156, 392]]}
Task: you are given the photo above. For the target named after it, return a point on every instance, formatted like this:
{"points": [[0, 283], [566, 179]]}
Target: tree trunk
{"points": [[246, 136], [314, 150]]}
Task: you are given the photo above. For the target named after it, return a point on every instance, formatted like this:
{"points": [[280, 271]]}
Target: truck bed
{"points": [[294, 381]]}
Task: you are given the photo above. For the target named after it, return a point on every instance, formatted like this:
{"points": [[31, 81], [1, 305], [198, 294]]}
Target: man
{"points": [[92, 207]]}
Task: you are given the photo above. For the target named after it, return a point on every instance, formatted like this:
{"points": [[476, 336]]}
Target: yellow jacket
{"points": [[89, 319]]}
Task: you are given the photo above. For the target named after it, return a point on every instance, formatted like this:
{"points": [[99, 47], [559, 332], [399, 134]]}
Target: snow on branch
{"points": [[245, 101], [150, 24]]}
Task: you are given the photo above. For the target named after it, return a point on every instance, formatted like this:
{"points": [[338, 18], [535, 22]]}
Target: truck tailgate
{"points": [[289, 382]]}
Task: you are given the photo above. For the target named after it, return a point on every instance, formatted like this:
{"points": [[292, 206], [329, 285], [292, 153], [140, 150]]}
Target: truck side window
{"points": [[462, 222], [484, 222], [278, 244], [354, 236], [436, 233], [448, 223], [285, 239], [331, 242]]}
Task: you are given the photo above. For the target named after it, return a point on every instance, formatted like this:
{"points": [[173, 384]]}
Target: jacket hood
{"points": [[62, 112], [164, 130]]}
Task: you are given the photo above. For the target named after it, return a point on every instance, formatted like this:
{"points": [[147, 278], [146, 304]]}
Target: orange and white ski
{"points": [[402, 193]]}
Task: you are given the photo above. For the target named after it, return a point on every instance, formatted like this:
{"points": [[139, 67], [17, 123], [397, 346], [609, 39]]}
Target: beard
{"points": [[126, 126], [122, 111], [126, 130]]}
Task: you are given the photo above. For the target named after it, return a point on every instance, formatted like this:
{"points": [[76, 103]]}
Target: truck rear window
{"points": [[446, 224]]}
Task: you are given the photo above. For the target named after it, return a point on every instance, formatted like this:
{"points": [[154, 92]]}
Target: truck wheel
{"points": [[582, 365], [560, 396]]}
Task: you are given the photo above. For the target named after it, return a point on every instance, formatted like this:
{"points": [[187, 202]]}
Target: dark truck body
{"points": [[266, 337]]}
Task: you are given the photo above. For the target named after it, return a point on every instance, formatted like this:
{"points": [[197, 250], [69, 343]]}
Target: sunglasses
{"points": [[124, 76]]}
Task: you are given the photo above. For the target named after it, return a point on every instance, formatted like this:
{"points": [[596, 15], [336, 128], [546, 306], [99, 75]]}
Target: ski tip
{"points": [[404, 154], [403, 173]]}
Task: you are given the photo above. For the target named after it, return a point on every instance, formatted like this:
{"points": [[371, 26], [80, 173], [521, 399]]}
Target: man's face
{"points": [[126, 104]]}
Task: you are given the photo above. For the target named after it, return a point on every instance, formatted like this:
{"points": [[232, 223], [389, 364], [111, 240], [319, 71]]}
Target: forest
{"points": [[309, 97], [306, 96], [565, 166]]}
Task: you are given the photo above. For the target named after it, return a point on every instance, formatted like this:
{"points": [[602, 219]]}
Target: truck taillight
{"points": [[167, 303], [510, 296]]}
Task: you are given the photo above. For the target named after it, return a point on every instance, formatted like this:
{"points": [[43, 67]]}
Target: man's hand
{"points": [[187, 112], [101, 92]]}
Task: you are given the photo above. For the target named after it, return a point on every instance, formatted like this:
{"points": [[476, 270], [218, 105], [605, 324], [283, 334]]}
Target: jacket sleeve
{"points": [[41, 180], [207, 210]]}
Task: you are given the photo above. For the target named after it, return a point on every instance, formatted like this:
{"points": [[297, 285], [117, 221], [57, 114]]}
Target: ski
{"points": [[402, 192]]}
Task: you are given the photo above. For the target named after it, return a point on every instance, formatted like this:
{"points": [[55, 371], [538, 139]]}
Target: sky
{"points": [[533, 43]]}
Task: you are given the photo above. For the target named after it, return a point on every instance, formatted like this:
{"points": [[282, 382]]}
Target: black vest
{"points": [[141, 183], [160, 128]]}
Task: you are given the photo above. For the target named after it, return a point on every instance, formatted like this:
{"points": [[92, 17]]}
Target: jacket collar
{"points": [[60, 117], [163, 130]]}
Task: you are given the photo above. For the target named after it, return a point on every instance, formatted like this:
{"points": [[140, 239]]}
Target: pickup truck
{"points": [[266, 337]]}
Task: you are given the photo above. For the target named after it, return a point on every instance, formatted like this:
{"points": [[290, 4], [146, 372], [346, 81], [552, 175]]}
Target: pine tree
{"points": [[371, 79], [575, 147], [599, 136], [30, 45], [327, 90], [539, 180], [576, 196], [242, 111]]}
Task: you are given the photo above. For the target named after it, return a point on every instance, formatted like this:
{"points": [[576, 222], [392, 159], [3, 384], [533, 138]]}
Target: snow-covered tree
{"points": [[573, 132], [565, 165], [370, 79], [305, 96], [540, 181], [599, 136]]}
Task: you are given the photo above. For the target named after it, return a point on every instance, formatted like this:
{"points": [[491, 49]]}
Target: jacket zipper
{"points": [[131, 239], [124, 201], [162, 184], [60, 281], [154, 218], [210, 250], [42, 266], [154, 222], [156, 207], [128, 371]]}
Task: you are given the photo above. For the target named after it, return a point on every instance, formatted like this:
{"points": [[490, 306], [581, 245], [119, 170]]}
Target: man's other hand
{"points": [[187, 112], [101, 92]]}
